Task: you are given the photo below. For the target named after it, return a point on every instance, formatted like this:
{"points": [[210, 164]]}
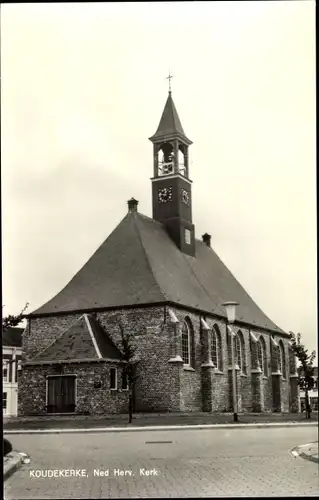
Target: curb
{"points": [[15, 461], [160, 428], [312, 456], [309, 457]]}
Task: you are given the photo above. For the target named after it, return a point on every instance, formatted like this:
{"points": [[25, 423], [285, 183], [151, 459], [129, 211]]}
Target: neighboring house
{"points": [[153, 276], [11, 363], [313, 394]]}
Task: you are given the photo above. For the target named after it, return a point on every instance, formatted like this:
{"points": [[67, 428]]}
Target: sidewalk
{"points": [[13, 461], [151, 420], [310, 452]]}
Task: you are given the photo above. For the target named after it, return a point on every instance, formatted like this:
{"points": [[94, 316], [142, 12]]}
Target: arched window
{"points": [[216, 345], [240, 352], [282, 359], [188, 343], [262, 355]]}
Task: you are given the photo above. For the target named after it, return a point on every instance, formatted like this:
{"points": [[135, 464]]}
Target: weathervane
{"points": [[169, 77]]}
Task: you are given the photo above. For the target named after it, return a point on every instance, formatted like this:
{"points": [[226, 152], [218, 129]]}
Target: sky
{"points": [[83, 86]]}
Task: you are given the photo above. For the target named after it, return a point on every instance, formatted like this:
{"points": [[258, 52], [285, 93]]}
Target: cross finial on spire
{"points": [[169, 77]]}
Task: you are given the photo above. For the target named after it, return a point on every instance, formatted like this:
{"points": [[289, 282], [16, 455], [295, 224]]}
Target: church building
{"points": [[161, 283]]}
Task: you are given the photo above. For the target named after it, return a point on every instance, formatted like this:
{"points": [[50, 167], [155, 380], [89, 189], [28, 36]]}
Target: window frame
{"points": [[261, 348], [5, 366], [240, 342], [238, 352], [186, 324], [116, 384], [124, 376], [4, 401], [216, 348]]}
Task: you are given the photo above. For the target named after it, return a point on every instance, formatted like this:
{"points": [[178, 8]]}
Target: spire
{"points": [[170, 124]]}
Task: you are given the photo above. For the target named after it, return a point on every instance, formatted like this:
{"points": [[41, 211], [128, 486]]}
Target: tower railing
{"points": [[166, 168]]}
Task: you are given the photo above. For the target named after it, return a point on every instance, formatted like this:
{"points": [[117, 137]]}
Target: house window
{"points": [[216, 346], [124, 380], [5, 370], [113, 378], [4, 402]]}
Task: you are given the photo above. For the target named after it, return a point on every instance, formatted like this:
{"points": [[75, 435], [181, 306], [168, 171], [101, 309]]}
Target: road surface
{"points": [[162, 464]]}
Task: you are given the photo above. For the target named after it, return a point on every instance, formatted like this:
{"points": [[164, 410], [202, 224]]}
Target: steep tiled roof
{"points": [[85, 339], [139, 264], [12, 336], [170, 123]]}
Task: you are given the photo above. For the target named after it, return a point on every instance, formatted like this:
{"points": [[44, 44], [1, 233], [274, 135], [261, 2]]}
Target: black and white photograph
{"points": [[159, 250]]}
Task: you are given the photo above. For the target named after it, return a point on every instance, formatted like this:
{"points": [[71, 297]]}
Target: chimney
{"points": [[206, 239], [132, 205]]}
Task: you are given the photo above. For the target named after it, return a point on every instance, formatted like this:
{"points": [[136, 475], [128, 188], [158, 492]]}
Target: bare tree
{"points": [[13, 320], [305, 372], [129, 348]]}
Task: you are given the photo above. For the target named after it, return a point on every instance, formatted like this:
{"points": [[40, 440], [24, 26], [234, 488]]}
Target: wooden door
{"points": [[61, 394]]}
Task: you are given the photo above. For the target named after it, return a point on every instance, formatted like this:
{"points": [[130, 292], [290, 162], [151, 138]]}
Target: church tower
{"points": [[171, 185]]}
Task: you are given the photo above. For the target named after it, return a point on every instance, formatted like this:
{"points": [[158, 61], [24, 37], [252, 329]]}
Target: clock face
{"points": [[185, 196], [165, 195]]}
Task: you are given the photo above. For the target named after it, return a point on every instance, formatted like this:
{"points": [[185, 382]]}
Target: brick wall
{"points": [[161, 386], [89, 399]]}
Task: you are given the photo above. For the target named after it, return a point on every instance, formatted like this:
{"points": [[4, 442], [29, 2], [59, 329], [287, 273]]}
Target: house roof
{"points": [[139, 264], [85, 339], [170, 123], [12, 336]]}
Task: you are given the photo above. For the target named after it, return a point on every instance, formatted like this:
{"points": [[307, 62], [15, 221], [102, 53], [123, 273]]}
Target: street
{"points": [[184, 463]]}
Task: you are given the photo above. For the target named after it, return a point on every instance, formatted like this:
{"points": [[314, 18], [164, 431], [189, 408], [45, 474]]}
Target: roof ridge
{"points": [[91, 332], [176, 119], [59, 337], [109, 338], [135, 219]]}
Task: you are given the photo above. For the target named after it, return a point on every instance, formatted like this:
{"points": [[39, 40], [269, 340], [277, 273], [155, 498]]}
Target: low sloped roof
{"points": [[85, 339], [139, 264]]}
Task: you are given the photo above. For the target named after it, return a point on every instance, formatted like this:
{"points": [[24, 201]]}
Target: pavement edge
{"points": [[309, 457], [157, 428], [312, 448], [15, 461]]}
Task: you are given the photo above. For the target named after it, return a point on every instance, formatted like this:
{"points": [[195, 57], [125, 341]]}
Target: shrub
{"points": [[7, 446]]}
